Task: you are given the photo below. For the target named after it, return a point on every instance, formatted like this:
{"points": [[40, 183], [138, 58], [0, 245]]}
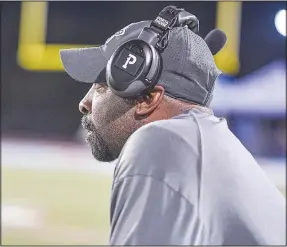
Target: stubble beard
{"points": [[98, 145]]}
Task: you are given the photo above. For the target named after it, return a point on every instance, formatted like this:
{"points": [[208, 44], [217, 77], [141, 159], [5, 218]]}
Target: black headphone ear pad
{"points": [[108, 71], [155, 65]]}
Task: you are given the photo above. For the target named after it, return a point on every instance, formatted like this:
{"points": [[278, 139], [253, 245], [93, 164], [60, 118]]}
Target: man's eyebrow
{"points": [[103, 84]]}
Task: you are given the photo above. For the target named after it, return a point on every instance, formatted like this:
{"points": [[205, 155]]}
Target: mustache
{"points": [[87, 123]]}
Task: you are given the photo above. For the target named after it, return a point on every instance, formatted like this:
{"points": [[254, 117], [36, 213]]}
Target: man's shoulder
{"points": [[185, 127], [157, 149], [166, 129], [162, 135]]}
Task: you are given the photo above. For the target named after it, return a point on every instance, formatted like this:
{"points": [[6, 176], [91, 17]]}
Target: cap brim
{"points": [[84, 64]]}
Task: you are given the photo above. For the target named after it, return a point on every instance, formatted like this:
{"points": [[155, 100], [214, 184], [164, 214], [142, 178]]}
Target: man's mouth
{"points": [[88, 136], [88, 130], [86, 124]]}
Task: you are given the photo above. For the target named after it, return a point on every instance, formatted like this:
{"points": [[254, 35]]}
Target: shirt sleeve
{"points": [[145, 211]]}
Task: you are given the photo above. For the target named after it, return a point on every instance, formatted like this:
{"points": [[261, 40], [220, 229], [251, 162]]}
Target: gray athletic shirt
{"points": [[189, 181]]}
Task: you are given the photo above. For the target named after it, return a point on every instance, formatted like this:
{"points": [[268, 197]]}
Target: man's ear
{"points": [[147, 105]]}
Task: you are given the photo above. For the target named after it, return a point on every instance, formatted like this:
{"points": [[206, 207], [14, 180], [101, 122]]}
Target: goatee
{"points": [[94, 139]]}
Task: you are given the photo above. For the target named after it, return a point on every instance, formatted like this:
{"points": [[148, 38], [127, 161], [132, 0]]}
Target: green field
{"points": [[75, 206]]}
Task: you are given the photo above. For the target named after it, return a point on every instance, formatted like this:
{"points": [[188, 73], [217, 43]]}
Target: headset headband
{"points": [[136, 65], [167, 19]]}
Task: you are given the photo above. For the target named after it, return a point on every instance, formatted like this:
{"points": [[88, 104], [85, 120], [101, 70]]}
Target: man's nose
{"points": [[85, 106]]}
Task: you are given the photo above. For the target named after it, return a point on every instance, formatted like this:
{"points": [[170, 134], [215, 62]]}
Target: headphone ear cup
{"points": [[129, 91], [119, 70]]}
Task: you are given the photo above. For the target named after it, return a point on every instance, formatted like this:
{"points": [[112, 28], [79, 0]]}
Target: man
{"points": [[181, 176]]}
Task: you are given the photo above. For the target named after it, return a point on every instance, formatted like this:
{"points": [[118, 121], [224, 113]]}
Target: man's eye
{"points": [[100, 88]]}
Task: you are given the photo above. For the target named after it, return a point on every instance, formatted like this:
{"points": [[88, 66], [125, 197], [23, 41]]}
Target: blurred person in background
{"points": [[181, 176]]}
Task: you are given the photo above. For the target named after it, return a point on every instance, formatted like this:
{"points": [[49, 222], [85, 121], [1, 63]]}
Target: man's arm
{"points": [[145, 211]]}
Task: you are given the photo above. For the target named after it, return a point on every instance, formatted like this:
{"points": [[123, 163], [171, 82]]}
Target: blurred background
{"points": [[53, 191]]}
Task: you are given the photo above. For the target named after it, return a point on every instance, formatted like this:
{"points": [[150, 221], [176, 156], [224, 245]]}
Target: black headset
{"points": [[136, 65]]}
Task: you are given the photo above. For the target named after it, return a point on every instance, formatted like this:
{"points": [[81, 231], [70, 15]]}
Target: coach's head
{"points": [[186, 80]]}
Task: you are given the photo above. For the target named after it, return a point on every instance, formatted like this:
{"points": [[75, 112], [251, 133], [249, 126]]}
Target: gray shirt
{"points": [[189, 181]]}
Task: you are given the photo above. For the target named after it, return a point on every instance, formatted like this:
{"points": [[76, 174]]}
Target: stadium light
{"points": [[280, 21]]}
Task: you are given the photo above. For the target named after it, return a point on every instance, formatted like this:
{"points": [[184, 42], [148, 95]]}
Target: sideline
{"points": [[23, 153]]}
